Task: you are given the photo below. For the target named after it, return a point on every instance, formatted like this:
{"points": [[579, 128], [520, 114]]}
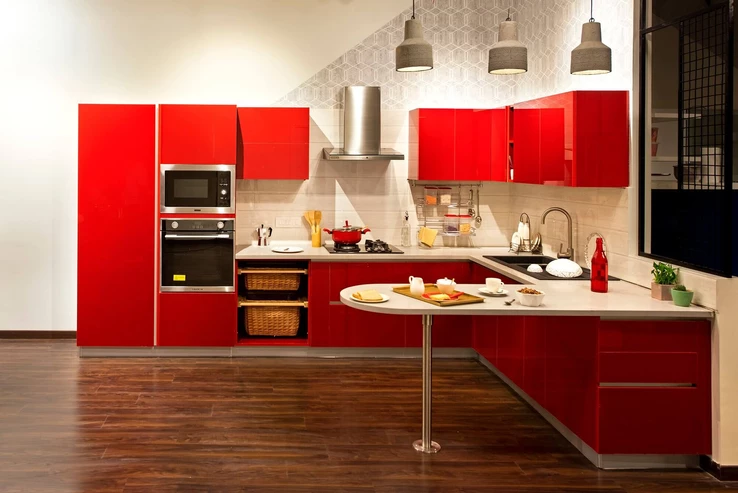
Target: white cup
{"points": [[494, 284]]}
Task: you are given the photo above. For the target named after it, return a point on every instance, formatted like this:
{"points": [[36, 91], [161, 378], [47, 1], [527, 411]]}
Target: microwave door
{"points": [[197, 189]]}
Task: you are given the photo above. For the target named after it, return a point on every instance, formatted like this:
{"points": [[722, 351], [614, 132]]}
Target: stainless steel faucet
{"points": [[570, 250]]}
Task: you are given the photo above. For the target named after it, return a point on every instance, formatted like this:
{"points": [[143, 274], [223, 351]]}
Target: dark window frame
{"points": [[644, 142]]}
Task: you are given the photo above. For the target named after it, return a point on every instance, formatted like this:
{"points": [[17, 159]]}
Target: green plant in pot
{"points": [[682, 296], [664, 280]]}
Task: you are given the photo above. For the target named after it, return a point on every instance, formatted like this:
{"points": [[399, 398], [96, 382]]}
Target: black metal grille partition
{"points": [[692, 223], [704, 67]]}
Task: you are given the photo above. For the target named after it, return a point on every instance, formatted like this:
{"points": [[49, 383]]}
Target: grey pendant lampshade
{"points": [[509, 56], [592, 56], [414, 54]]}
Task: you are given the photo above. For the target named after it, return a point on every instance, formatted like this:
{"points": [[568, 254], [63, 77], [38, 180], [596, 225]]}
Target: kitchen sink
{"points": [[520, 263]]}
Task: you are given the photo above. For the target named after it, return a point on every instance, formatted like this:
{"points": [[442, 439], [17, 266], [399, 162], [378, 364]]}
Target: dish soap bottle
{"points": [[405, 233], [599, 272]]}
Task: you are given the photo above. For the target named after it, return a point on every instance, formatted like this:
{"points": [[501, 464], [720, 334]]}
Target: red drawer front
{"points": [[649, 367], [198, 319], [654, 421], [653, 336]]}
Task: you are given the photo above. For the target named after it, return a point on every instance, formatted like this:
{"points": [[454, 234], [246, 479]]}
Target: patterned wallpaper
{"points": [[462, 31]]}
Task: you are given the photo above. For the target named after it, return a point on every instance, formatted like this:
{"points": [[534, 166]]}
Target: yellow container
{"points": [[316, 239]]}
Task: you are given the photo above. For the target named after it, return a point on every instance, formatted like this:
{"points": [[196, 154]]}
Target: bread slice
{"points": [[440, 297], [368, 295]]}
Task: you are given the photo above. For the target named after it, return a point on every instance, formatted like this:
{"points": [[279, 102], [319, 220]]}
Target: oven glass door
{"points": [[190, 189], [197, 262]]}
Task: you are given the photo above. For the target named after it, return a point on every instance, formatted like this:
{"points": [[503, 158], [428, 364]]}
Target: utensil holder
{"points": [[316, 239]]}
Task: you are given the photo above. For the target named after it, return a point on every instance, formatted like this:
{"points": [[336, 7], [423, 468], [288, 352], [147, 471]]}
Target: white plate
{"points": [[384, 298], [287, 250], [500, 293]]}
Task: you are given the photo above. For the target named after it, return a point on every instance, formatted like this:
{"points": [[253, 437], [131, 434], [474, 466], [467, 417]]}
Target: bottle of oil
{"points": [[405, 233]]}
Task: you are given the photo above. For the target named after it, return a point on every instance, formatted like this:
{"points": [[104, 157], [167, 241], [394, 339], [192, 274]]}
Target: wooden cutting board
{"points": [[464, 299]]}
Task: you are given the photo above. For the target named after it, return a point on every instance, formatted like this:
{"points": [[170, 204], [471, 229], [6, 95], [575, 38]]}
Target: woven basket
{"points": [[272, 282], [272, 320]]}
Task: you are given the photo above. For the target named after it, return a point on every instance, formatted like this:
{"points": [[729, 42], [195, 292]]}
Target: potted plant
{"points": [[664, 280], [682, 296]]}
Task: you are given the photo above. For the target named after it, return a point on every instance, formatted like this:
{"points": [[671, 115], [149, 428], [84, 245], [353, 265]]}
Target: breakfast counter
{"points": [[563, 298]]}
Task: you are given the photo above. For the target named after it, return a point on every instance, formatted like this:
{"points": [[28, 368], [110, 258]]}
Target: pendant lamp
{"points": [[592, 56], [414, 54], [509, 56]]}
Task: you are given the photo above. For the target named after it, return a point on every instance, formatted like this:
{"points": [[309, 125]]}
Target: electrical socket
{"points": [[288, 222]]}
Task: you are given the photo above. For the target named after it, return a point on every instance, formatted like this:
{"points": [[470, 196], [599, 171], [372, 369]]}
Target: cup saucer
{"points": [[500, 293]]}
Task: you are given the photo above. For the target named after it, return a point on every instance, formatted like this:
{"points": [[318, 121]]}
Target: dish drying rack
{"points": [[450, 210], [527, 245]]}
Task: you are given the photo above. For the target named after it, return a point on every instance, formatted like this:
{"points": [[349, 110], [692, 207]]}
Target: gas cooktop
{"points": [[369, 246]]}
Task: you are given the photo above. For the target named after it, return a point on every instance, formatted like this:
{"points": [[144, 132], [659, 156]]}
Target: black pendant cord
{"points": [[508, 15], [591, 11], [413, 17]]}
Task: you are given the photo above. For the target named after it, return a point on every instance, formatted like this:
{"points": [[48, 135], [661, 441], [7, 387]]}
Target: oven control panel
{"points": [[224, 188]]}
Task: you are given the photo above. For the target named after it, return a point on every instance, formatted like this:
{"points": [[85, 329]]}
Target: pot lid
{"points": [[347, 228]]}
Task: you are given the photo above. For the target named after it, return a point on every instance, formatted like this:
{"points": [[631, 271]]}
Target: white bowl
{"points": [[530, 299], [446, 286]]}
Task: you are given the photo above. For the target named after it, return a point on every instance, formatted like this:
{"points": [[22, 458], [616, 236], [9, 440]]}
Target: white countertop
{"points": [[566, 298], [563, 298]]}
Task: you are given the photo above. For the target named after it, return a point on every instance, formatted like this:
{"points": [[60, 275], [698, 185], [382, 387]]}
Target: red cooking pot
{"points": [[348, 235]]}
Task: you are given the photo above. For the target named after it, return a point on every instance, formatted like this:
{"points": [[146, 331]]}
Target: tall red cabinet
{"points": [[458, 145], [116, 225], [197, 134], [274, 143]]}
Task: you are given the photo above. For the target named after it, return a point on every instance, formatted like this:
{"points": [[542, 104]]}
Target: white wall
{"points": [[58, 53]]}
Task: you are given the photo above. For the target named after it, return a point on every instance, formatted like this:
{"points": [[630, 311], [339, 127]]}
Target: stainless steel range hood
{"points": [[361, 128]]}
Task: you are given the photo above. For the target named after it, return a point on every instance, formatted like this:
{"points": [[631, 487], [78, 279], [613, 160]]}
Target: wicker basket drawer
{"points": [[277, 318], [272, 279]]}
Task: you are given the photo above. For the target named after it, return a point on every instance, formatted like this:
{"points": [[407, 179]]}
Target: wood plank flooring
{"points": [[280, 425]]}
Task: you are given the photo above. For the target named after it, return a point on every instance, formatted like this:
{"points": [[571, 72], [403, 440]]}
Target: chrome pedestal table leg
{"points": [[426, 445]]}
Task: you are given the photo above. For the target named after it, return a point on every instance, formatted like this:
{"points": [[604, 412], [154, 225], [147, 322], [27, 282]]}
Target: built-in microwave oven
{"points": [[190, 188]]}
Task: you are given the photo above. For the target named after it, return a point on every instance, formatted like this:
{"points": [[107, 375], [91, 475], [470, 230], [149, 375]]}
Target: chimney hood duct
{"points": [[361, 128]]}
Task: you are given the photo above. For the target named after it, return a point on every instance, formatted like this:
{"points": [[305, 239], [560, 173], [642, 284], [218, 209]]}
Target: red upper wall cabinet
{"points": [[575, 139], [197, 134], [274, 143], [115, 198], [458, 145]]}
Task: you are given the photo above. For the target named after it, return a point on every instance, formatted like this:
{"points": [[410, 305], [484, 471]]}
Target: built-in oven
{"points": [[198, 255], [190, 188]]}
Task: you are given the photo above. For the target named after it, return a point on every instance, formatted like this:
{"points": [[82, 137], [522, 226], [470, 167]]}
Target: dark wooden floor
{"points": [[282, 425]]}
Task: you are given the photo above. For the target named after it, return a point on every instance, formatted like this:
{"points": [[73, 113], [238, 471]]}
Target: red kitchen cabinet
{"points": [[197, 134], [319, 298], [511, 348], [655, 419], [485, 337], [274, 143], [198, 319], [577, 139], [526, 150], [571, 373], [458, 145], [534, 359], [116, 194], [433, 153]]}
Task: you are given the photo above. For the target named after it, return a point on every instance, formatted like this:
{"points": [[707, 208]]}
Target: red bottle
{"points": [[599, 269]]}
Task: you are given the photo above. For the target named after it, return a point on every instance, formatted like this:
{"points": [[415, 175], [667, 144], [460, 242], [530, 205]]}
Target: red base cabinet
{"points": [[198, 319], [590, 375], [197, 134], [332, 324], [274, 143], [116, 172]]}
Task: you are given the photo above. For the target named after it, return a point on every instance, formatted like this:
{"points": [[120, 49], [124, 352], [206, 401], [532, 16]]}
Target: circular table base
{"points": [[434, 447]]}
